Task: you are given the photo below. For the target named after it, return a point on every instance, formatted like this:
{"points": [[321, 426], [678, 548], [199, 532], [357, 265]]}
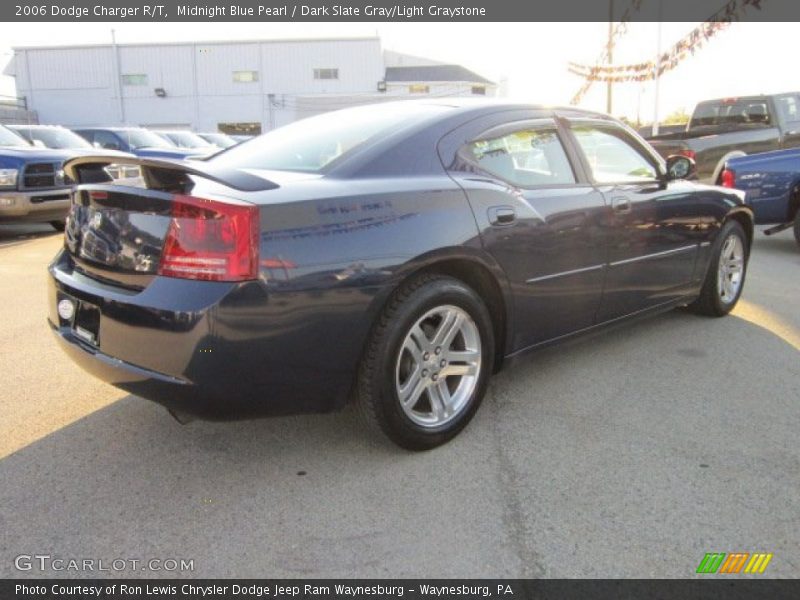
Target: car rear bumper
{"points": [[212, 350], [36, 206]]}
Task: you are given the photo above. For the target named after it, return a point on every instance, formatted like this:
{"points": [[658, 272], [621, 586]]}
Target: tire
{"points": [[717, 298], [797, 227], [58, 225], [401, 359]]}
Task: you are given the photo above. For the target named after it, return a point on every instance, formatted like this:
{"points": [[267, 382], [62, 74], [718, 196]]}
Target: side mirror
{"points": [[110, 146], [680, 167]]}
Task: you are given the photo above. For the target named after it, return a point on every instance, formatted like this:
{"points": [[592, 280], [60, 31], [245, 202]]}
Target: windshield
{"points": [[219, 139], [187, 139], [141, 138], [312, 144], [8, 138], [57, 138]]}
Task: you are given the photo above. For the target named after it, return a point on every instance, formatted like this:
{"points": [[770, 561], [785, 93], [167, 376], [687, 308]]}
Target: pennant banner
{"points": [[685, 47]]}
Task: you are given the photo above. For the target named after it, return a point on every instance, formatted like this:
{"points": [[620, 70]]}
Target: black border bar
{"points": [[732, 588], [394, 11]]}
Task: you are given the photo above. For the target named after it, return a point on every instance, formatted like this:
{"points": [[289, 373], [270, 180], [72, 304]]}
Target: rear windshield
{"points": [[187, 139], [141, 138], [735, 111], [312, 145], [57, 138]]}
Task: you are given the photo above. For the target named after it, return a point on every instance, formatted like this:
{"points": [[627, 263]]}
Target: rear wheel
{"points": [[428, 363], [58, 225], [726, 273]]}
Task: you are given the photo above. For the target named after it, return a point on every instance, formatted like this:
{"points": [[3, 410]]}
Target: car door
{"points": [[652, 227], [541, 221]]}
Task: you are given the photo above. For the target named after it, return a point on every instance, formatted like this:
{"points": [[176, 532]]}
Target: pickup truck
{"points": [[720, 130], [771, 182], [32, 183]]}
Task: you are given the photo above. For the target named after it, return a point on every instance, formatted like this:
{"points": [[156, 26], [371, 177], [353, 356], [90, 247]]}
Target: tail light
{"points": [[211, 240], [688, 153], [727, 178]]}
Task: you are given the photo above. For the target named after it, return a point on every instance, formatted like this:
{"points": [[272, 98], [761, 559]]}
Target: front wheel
{"points": [[725, 278], [428, 362]]}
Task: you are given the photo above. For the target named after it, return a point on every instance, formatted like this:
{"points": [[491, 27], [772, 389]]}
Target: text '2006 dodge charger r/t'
{"points": [[397, 253]]}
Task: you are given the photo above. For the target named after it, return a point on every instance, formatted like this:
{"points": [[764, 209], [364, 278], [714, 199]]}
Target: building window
{"points": [[240, 128], [245, 76], [418, 88], [478, 90], [326, 73], [134, 79]]}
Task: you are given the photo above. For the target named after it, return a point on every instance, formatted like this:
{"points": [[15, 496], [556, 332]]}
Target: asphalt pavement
{"points": [[630, 454]]}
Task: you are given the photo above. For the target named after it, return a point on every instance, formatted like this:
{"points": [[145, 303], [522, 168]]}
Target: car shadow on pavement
{"points": [[314, 495], [11, 233]]}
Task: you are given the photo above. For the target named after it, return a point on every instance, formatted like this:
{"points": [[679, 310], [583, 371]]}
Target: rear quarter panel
{"points": [[331, 253]]}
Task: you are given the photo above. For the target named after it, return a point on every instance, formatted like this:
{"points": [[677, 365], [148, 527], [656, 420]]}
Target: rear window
{"points": [[312, 145], [735, 111]]}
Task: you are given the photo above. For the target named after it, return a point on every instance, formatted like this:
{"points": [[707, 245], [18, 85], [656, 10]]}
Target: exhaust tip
{"points": [[181, 417]]}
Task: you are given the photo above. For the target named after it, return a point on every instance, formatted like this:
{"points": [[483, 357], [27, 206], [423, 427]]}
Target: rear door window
{"points": [[528, 157]]}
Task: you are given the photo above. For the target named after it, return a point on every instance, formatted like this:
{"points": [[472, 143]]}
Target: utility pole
{"points": [[657, 74], [610, 52]]}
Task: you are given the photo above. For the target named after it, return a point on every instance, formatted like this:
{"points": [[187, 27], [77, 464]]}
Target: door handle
{"points": [[502, 215], [621, 205]]}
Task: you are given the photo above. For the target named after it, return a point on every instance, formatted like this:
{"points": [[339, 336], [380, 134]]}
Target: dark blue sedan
{"points": [[398, 254]]}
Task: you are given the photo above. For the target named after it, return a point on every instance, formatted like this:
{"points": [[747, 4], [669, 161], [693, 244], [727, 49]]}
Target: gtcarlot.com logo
{"points": [[46, 562], [732, 563]]}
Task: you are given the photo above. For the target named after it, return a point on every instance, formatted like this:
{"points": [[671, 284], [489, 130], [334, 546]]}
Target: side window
{"points": [[612, 158], [526, 158], [107, 140]]}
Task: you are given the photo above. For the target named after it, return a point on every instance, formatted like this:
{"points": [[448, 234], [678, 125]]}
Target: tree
{"points": [[678, 117]]}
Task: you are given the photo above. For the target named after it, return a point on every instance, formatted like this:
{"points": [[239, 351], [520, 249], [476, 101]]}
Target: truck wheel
{"points": [[726, 272], [427, 363], [58, 225]]}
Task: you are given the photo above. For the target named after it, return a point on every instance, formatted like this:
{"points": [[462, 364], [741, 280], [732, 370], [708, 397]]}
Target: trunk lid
{"points": [[117, 233]]}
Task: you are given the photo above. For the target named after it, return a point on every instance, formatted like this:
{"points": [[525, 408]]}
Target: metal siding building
{"points": [[206, 86]]}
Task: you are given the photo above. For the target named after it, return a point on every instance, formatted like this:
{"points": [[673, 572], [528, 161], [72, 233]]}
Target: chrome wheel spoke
{"points": [[460, 370], [412, 389], [449, 327], [418, 338], [440, 400]]}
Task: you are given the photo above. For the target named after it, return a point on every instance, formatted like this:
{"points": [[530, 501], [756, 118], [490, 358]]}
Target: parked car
{"points": [[186, 140], [771, 182], [222, 140], [401, 252], [134, 140], [32, 183], [61, 138], [726, 128]]}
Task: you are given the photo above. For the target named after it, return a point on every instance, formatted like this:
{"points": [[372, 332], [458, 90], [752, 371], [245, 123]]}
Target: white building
{"points": [[236, 86]]}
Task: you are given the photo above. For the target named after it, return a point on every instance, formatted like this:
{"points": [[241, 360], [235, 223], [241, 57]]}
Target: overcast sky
{"points": [[745, 58]]}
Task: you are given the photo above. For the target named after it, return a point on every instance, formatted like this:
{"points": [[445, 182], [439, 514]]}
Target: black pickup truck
{"points": [[731, 127]]}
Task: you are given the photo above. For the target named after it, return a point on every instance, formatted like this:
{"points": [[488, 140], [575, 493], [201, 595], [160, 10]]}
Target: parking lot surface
{"points": [[630, 454]]}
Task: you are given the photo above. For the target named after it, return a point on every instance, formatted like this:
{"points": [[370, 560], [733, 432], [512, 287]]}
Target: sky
{"points": [[532, 58]]}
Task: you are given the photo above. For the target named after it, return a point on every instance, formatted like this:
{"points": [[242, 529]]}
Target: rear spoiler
{"points": [[164, 174]]}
